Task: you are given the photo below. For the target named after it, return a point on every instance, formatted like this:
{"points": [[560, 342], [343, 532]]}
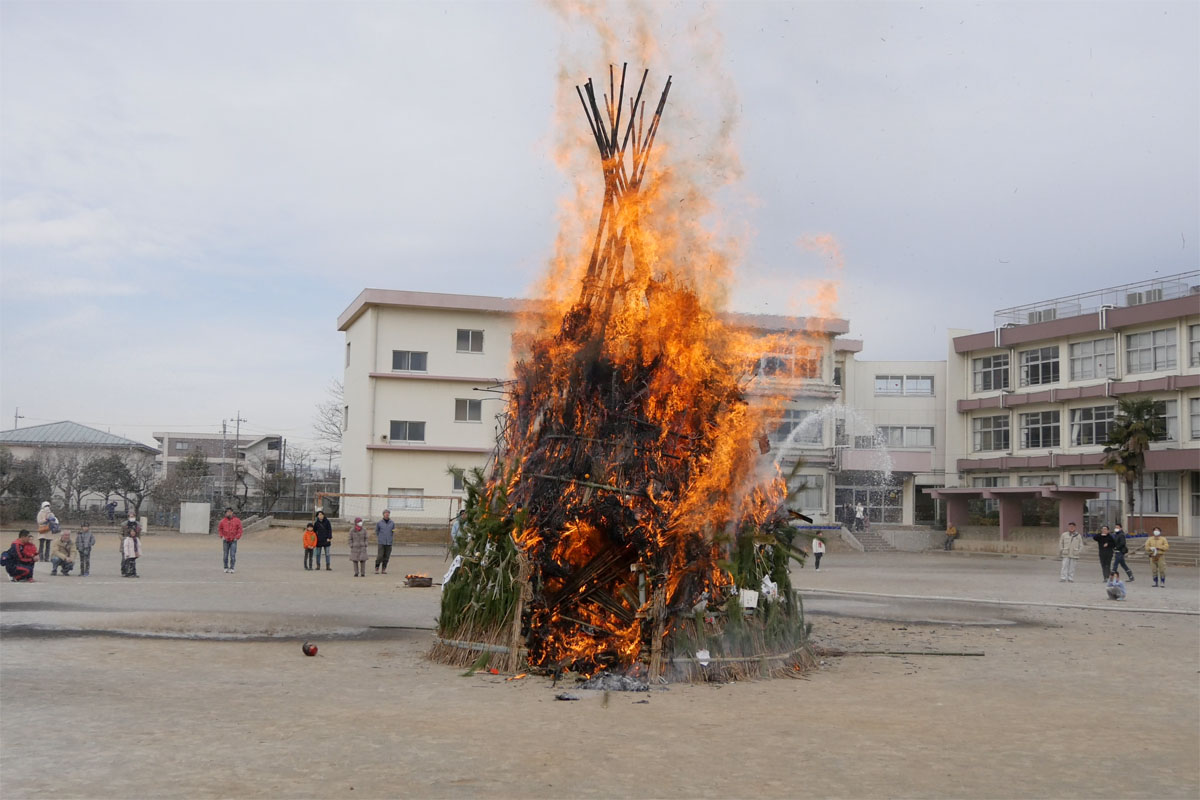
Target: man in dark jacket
{"points": [[324, 529], [384, 531], [1104, 542], [1120, 548]]}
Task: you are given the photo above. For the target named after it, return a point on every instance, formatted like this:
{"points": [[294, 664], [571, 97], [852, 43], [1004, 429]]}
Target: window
{"points": [[881, 503], [808, 492], [1036, 480], [990, 433], [837, 374], [457, 481], [183, 445], [1196, 494], [889, 436], [1039, 366], [1194, 413], [1039, 429], [990, 372], [1105, 509], [1150, 351], [1160, 494], [1167, 412], [919, 436], [1094, 359], [409, 360], [271, 467], [407, 431], [889, 384], [802, 363], [918, 384], [273, 444], [470, 341], [796, 428], [345, 417], [347, 354], [1091, 425], [904, 384], [468, 410], [1194, 345], [406, 499]]}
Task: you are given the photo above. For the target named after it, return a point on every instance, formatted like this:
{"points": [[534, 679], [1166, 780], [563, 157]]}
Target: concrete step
{"points": [[872, 542]]}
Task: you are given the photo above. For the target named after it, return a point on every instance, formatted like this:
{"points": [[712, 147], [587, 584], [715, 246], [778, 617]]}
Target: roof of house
{"points": [[67, 434], [513, 305]]}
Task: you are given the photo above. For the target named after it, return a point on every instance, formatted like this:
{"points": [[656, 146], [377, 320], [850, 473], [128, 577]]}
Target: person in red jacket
{"points": [[22, 558], [230, 530]]}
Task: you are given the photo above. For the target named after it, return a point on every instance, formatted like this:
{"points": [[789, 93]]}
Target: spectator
{"points": [[324, 539], [85, 540], [1104, 543], [230, 531], [951, 533], [1116, 589], [818, 548], [310, 544], [358, 548], [859, 516], [21, 558], [1156, 548], [1070, 547], [45, 536], [131, 549], [62, 555], [384, 536], [1120, 548]]}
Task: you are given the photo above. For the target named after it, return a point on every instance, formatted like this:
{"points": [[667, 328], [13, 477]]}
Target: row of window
{"points": [[1089, 426], [466, 341], [405, 430], [804, 427], [1160, 492], [1151, 351], [920, 385]]}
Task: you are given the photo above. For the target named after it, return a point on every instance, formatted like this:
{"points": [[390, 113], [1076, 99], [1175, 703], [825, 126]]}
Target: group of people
{"points": [[63, 553], [1113, 546], [318, 537]]}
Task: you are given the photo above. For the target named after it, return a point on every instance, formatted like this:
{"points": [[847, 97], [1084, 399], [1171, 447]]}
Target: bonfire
{"points": [[629, 522]]}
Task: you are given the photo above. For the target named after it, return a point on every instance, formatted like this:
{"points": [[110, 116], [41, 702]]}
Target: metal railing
{"points": [[1167, 287]]}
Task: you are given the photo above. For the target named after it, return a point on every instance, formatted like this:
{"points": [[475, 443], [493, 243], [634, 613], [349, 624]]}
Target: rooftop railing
{"points": [[1168, 287]]}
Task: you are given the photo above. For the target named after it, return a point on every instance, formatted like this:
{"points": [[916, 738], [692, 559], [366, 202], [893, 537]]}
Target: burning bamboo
{"points": [[625, 498]]}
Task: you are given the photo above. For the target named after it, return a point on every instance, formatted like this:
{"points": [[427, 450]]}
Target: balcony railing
{"points": [[1168, 287]]}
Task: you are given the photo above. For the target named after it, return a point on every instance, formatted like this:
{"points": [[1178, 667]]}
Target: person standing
{"points": [[85, 540], [1120, 548], [131, 549], [310, 544], [1104, 543], [358, 547], [45, 536], [230, 531], [1156, 548], [818, 545], [1070, 547], [859, 516], [384, 536], [62, 555], [324, 531], [131, 528]]}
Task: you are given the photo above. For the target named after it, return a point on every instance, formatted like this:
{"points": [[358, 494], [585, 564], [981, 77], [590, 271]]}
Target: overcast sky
{"points": [[192, 192]]}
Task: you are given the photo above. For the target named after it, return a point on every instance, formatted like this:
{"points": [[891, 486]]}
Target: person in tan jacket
{"points": [[1070, 547], [62, 554], [1156, 548]]}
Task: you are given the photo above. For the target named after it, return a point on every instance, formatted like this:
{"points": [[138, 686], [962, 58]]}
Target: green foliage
{"points": [[26, 485], [1139, 422], [482, 594], [194, 466]]}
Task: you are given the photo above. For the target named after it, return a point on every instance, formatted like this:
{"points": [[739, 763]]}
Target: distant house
{"points": [[254, 456], [63, 448]]}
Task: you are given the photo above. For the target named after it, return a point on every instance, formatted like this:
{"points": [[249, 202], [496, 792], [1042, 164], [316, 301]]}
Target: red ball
{"points": [[309, 649]]}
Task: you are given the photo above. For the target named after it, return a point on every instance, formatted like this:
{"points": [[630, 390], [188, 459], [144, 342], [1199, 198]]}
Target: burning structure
{"points": [[626, 522]]}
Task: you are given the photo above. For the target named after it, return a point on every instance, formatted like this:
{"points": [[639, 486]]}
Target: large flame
{"points": [[632, 441]]}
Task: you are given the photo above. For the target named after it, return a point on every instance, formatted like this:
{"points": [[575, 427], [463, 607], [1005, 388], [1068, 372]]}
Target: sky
{"points": [[190, 193]]}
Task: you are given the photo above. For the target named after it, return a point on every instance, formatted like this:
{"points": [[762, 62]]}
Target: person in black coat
{"points": [[1120, 548], [1105, 543], [324, 529]]}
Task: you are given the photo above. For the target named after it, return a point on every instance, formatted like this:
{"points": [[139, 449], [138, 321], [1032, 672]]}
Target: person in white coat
{"points": [[818, 547], [1070, 547]]}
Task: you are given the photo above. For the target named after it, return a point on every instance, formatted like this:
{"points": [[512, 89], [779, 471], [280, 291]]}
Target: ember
{"points": [[627, 474]]}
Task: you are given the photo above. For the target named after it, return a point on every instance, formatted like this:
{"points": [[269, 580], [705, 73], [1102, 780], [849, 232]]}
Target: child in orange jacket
{"points": [[310, 544]]}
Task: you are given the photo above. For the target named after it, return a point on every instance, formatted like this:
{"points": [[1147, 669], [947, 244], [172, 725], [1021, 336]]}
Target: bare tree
{"points": [[272, 482], [327, 424]]}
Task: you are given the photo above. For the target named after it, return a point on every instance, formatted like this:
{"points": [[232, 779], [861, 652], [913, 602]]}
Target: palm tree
{"points": [[1139, 422]]}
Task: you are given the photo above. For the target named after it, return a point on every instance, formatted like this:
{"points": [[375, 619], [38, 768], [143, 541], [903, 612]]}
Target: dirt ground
{"points": [[189, 682]]}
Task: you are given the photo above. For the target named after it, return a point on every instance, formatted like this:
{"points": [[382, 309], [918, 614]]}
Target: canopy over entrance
{"points": [[1070, 499]]}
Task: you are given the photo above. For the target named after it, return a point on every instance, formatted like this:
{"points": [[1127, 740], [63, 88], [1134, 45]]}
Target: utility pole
{"points": [[222, 458], [237, 445], [16, 416]]}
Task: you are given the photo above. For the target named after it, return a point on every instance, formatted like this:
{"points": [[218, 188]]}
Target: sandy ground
{"points": [[189, 682]]}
